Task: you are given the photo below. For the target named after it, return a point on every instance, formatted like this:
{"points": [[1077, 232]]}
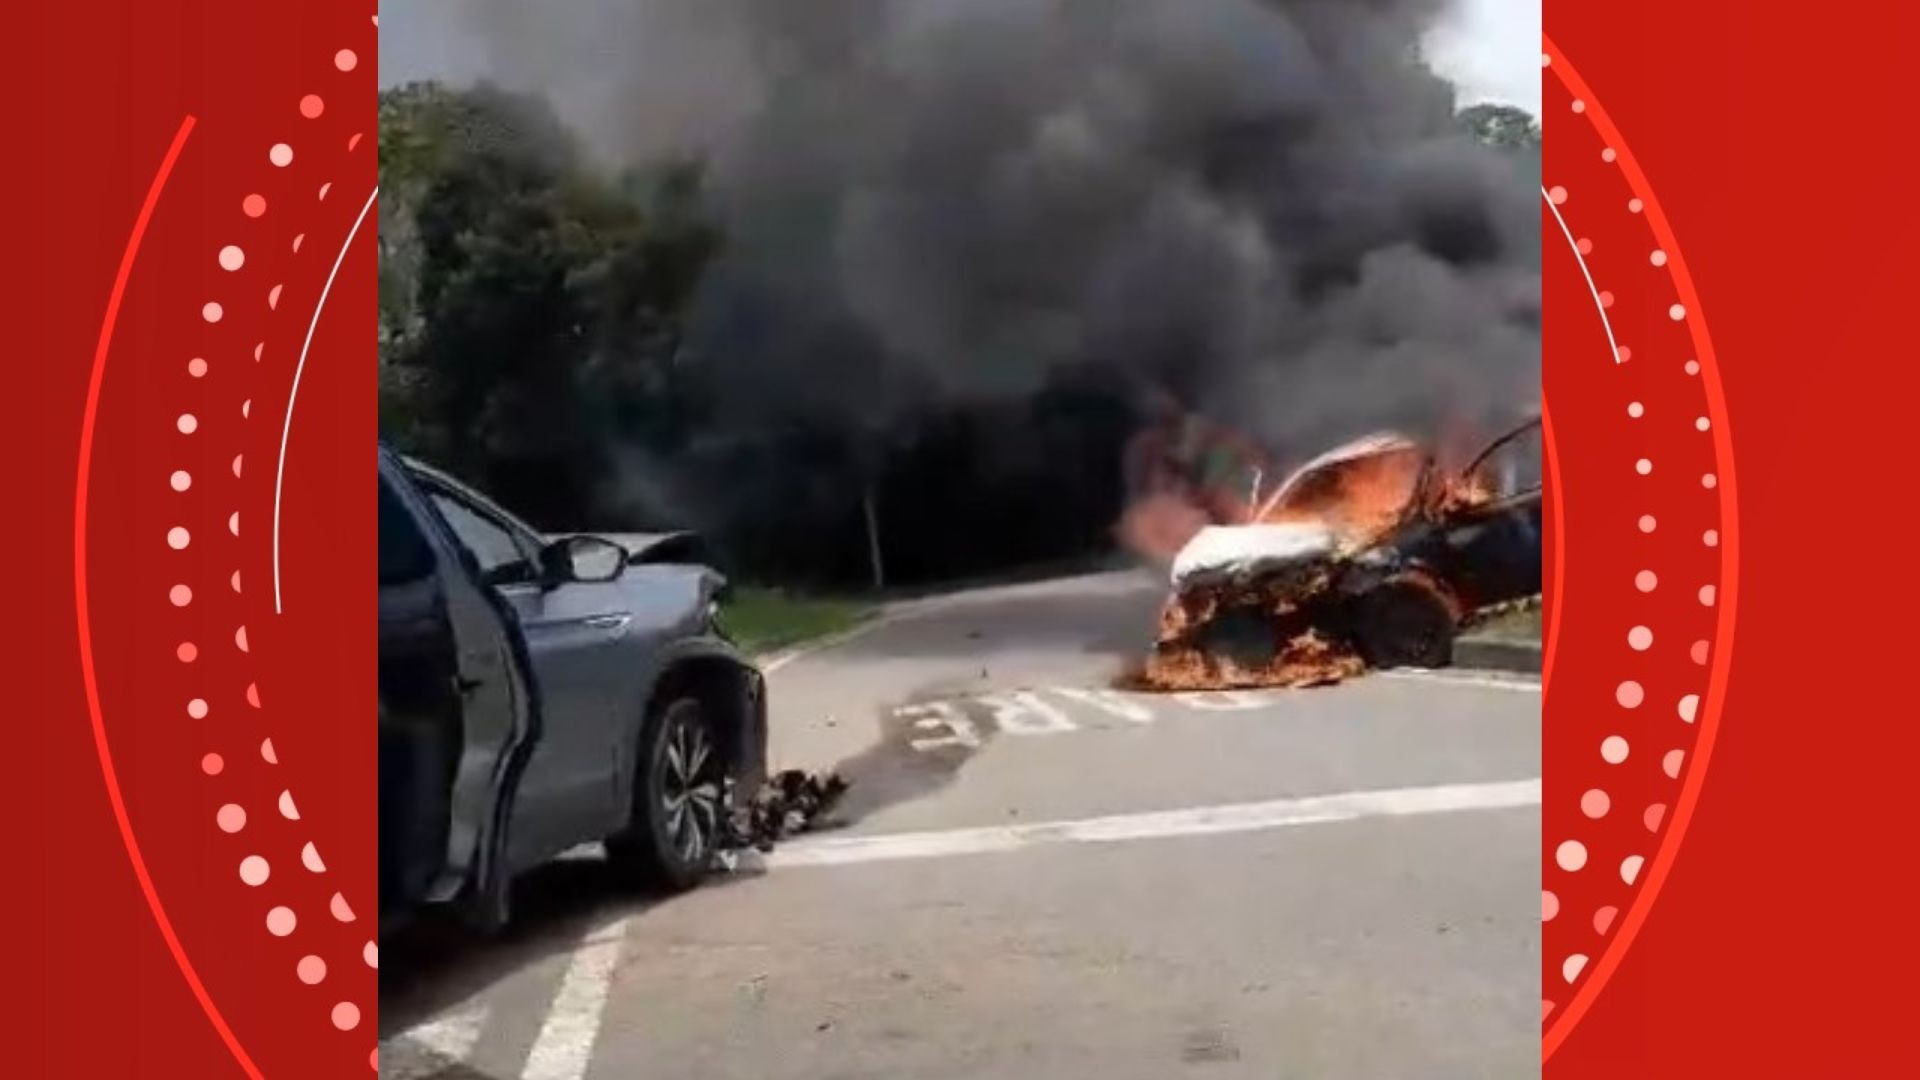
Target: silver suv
{"points": [[539, 692]]}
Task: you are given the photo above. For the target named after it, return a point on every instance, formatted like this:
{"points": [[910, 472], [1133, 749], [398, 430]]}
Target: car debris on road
{"points": [[1371, 555], [788, 804]]}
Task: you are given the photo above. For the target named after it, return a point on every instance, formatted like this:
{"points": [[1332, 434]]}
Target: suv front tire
{"points": [[678, 815]]}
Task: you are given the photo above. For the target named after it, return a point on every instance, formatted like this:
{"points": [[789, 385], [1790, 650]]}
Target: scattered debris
{"points": [[787, 804], [1368, 556]]}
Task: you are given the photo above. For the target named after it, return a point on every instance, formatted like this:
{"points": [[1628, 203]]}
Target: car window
{"points": [[405, 555], [491, 544]]}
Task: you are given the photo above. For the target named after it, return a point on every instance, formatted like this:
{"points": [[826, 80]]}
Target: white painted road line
{"points": [[433, 1047], [935, 715], [1226, 700], [1490, 682], [1105, 581], [951, 723], [1111, 702], [773, 662], [1197, 821], [565, 1045], [893, 613]]}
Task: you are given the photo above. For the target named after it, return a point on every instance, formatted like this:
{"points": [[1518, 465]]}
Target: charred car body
{"points": [[1371, 555], [539, 692]]}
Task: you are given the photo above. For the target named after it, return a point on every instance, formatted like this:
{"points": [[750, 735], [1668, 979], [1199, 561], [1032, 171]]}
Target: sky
{"points": [[1490, 49]]}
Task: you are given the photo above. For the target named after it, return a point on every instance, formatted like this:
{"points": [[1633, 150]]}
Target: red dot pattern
{"points": [[1636, 697]]}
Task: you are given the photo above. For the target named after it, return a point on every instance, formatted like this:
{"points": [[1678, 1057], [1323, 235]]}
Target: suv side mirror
{"points": [[583, 559]]}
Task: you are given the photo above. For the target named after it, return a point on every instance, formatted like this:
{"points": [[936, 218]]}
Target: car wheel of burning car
{"points": [[1404, 623], [679, 812]]}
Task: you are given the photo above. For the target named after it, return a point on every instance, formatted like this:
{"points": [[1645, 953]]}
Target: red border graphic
{"points": [[193, 798], [224, 777], [81, 608], [1630, 262]]}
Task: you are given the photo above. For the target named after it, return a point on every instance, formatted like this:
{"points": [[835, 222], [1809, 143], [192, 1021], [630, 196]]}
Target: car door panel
{"points": [[419, 715], [495, 715], [601, 647], [577, 635]]}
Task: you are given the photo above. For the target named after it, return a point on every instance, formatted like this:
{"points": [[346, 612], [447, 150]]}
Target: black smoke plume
{"points": [[946, 221]]}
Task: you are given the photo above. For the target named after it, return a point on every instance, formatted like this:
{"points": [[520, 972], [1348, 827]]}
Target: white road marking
{"points": [[432, 1047], [1024, 713], [912, 609], [1490, 682], [1223, 700], [893, 613], [1197, 821], [775, 661], [565, 1045], [1027, 713], [932, 715], [1108, 701]]}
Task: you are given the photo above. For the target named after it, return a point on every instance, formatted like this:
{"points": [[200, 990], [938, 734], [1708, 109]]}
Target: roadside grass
{"points": [[763, 619]]}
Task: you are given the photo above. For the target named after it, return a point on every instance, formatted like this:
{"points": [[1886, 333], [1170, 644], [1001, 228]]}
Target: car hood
{"points": [[1245, 551], [670, 547]]}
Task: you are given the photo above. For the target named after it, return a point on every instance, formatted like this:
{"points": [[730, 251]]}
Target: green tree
{"points": [[1508, 127], [528, 304]]}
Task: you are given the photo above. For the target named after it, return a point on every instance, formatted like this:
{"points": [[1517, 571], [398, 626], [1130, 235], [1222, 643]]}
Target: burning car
{"points": [[1371, 555]]}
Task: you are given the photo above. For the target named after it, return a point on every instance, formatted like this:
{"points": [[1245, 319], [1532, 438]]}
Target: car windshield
{"points": [[1357, 490]]}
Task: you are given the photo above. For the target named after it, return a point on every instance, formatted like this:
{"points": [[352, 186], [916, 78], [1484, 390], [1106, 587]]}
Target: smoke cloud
{"points": [[1263, 205]]}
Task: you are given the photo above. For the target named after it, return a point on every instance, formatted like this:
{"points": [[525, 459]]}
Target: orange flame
{"points": [[1360, 491]]}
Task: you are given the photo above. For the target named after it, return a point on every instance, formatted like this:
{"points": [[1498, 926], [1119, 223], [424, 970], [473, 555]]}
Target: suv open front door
{"points": [[456, 717]]}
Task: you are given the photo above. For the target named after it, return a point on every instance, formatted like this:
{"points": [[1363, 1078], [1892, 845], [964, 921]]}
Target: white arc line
{"points": [[280, 466], [565, 1044], [1198, 821], [1591, 287]]}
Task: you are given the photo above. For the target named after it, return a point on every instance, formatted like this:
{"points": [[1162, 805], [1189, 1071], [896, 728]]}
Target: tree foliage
{"points": [[528, 307], [1507, 127], [533, 307], [531, 317]]}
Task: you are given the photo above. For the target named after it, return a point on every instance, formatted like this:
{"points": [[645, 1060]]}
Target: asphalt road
{"points": [[1042, 878]]}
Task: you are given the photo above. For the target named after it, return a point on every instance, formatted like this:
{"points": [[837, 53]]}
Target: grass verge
{"points": [[763, 619]]}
